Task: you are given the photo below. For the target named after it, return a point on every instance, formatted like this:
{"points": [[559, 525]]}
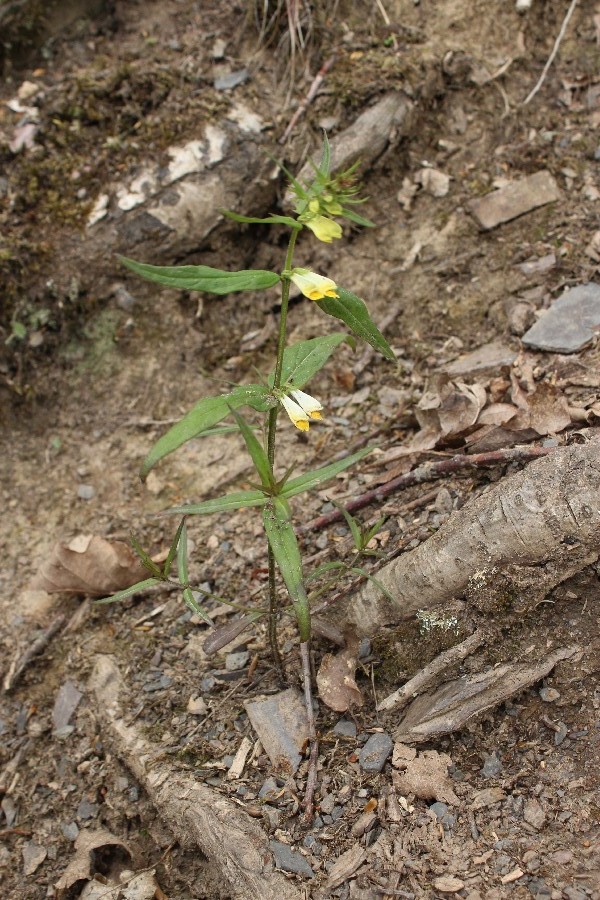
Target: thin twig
{"points": [[428, 472], [550, 60], [429, 673], [20, 662], [312, 92]]}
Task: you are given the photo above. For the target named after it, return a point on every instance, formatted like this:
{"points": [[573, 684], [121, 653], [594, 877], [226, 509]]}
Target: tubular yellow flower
{"points": [[310, 405], [298, 416], [313, 286], [324, 229]]}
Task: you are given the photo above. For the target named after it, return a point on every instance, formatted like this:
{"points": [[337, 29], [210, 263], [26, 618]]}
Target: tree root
{"points": [[511, 545], [193, 812]]}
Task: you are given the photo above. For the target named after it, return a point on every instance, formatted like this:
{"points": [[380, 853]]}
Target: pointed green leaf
{"points": [[204, 415], [303, 360], [370, 533], [324, 568], [324, 167], [312, 479], [173, 550], [357, 219], [204, 278], [256, 451], [228, 503], [130, 591], [148, 563], [353, 311], [284, 544], [352, 525], [184, 578], [360, 571], [268, 220]]}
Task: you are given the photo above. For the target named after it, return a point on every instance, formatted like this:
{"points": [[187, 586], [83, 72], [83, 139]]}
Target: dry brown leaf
{"points": [[87, 845], [446, 410], [89, 565], [426, 776], [335, 680]]}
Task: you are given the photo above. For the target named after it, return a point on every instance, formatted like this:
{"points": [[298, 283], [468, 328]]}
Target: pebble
{"points": [[374, 754], [570, 323], [231, 80], [197, 707], [448, 884], [236, 661], [539, 889], [290, 861], [344, 728], [312, 844], [281, 724], [327, 803], [561, 734], [549, 694], [269, 787], [86, 492], [67, 701], [533, 814], [207, 683], [492, 765], [562, 857], [87, 810], [439, 809], [70, 830], [572, 893], [158, 684]]}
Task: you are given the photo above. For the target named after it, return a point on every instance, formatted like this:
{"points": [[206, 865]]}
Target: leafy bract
{"points": [[228, 503], [207, 413], [311, 479], [184, 578], [130, 591], [353, 311], [204, 278], [284, 544], [303, 360], [268, 220]]}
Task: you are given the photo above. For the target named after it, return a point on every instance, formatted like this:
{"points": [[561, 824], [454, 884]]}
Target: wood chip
{"points": [[239, 761]]}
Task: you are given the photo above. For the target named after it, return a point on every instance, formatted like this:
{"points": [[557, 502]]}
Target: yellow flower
{"points": [[301, 409], [324, 229], [313, 286]]}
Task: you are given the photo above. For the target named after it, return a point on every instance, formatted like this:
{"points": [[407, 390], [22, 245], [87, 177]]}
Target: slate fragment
{"points": [[67, 701], [514, 199], [280, 723], [290, 861], [571, 322], [374, 754]]}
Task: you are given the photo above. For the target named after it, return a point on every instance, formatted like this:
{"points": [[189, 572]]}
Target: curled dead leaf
{"points": [[335, 680], [89, 564]]}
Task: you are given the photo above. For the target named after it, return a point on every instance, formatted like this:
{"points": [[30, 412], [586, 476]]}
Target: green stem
{"points": [[271, 432]]}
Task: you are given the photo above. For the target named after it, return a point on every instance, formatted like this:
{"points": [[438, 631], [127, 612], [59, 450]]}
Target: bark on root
{"points": [[528, 533], [193, 812]]}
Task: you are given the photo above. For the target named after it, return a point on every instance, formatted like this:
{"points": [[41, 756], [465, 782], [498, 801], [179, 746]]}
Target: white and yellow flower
{"points": [[313, 286], [301, 408], [324, 229]]}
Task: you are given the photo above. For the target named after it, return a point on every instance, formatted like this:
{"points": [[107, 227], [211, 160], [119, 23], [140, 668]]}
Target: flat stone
{"points": [[86, 492], [562, 857], [280, 723], [269, 788], [87, 810], [290, 861], [67, 701], [514, 199], [533, 813], [491, 356], [344, 728], [231, 80], [492, 766], [571, 322], [439, 810], [70, 830], [448, 884], [374, 754], [33, 856], [197, 707]]}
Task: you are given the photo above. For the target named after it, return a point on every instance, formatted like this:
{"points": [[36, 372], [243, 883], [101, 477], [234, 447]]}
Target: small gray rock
{"points": [[345, 728], [327, 804], [561, 734], [492, 765], [549, 694], [439, 809], [87, 810], [231, 80], [86, 492], [515, 199], [533, 813], [280, 722], [290, 861], [374, 754], [236, 661], [570, 323], [70, 830], [269, 787], [33, 856], [67, 701], [158, 684]]}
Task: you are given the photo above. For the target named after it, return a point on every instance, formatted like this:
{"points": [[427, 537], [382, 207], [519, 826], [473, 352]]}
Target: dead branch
{"points": [[429, 673], [22, 660], [550, 59], [543, 522], [312, 93], [429, 471]]}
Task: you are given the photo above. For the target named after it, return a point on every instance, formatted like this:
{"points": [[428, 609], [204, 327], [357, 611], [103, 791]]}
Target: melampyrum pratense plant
{"points": [[317, 205]]}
